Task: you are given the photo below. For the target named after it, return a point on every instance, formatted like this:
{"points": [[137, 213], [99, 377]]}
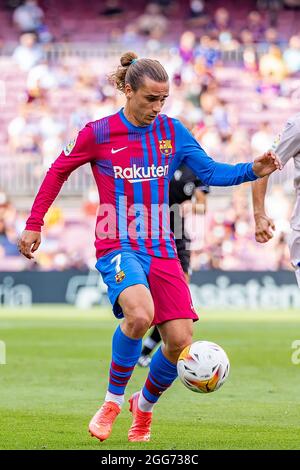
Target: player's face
{"points": [[144, 104]]}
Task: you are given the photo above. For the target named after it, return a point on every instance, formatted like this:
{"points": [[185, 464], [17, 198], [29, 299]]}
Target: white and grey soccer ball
{"points": [[203, 367]]}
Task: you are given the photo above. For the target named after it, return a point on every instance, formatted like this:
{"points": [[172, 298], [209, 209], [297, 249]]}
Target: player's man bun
{"points": [[118, 77], [127, 58], [133, 70]]}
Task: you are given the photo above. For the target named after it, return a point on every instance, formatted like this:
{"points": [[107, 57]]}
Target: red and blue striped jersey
{"points": [[132, 167]]}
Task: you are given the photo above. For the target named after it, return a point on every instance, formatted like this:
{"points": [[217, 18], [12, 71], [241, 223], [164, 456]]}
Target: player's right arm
{"points": [[77, 153], [264, 225]]}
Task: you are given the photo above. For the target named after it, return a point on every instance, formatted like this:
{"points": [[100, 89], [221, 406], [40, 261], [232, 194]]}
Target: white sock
{"points": [[145, 405], [118, 399], [150, 343]]}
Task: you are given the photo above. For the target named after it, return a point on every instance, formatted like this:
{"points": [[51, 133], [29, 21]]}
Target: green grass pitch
{"points": [[56, 375]]}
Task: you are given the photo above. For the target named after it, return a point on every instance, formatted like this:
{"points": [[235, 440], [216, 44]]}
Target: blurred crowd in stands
{"points": [[235, 79]]}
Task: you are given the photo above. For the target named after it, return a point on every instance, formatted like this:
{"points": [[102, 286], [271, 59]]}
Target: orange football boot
{"points": [[101, 424], [140, 430]]}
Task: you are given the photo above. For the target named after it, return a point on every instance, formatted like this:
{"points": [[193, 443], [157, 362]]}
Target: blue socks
{"points": [[125, 354], [162, 374]]}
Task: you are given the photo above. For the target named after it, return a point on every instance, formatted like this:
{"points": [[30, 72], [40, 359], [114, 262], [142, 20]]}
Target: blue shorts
{"points": [[121, 269], [164, 278]]}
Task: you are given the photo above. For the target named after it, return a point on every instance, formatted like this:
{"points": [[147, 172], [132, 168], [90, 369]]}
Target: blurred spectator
{"points": [[222, 19], [278, 208], [291, 55], [221, 118], [272, 67], [81, 115], [208, 101], [207, 54], [28, 53], [186, 46], [246, 37], [39, 80], [272, 37], [130, 35], [255, 25], [250, 59], [221, 22], [210, 138], [270, 4], [291, 4], [28, 17], [112, 8], [238, 146], [8, 236], [8, 240], [151, 19], [262, 140], [197, 14], [23, 131], [51, 132]]}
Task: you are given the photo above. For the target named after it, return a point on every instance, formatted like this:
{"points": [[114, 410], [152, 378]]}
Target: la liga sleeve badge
{"points": [[68, 148]]}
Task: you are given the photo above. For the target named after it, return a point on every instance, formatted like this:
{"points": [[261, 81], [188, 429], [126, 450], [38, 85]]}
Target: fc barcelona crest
{"points": [[120, 276], [165, 146]]}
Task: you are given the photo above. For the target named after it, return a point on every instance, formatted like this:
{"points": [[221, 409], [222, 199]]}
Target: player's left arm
{"points": [[220, 174]]}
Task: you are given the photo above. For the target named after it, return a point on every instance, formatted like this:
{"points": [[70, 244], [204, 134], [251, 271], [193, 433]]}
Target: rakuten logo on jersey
{"points": [[138, 174]]}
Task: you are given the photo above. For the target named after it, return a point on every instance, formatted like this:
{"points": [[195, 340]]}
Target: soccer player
{"points": [[286, 146], [183, 186], [133, 154]]}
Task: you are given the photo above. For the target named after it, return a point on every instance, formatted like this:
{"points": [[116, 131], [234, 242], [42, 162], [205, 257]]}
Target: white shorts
{"points": [[294, 246]]}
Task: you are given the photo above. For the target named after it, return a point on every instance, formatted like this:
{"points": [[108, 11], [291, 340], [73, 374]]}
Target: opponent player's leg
{"points": [[149, 345], [294, 246], [135, 303]]}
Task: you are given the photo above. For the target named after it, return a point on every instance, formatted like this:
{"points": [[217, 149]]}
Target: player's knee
{"points": [[138, 321]]}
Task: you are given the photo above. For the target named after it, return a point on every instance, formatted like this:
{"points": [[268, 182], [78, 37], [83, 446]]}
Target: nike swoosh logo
{"points": [[118, 150]]}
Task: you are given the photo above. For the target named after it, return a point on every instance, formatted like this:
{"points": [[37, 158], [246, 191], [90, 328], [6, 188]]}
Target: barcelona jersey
{"points": [[132, 167]]}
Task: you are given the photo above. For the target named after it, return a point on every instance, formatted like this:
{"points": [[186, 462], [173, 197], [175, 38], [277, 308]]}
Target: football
{"points": [[203, 367]]}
